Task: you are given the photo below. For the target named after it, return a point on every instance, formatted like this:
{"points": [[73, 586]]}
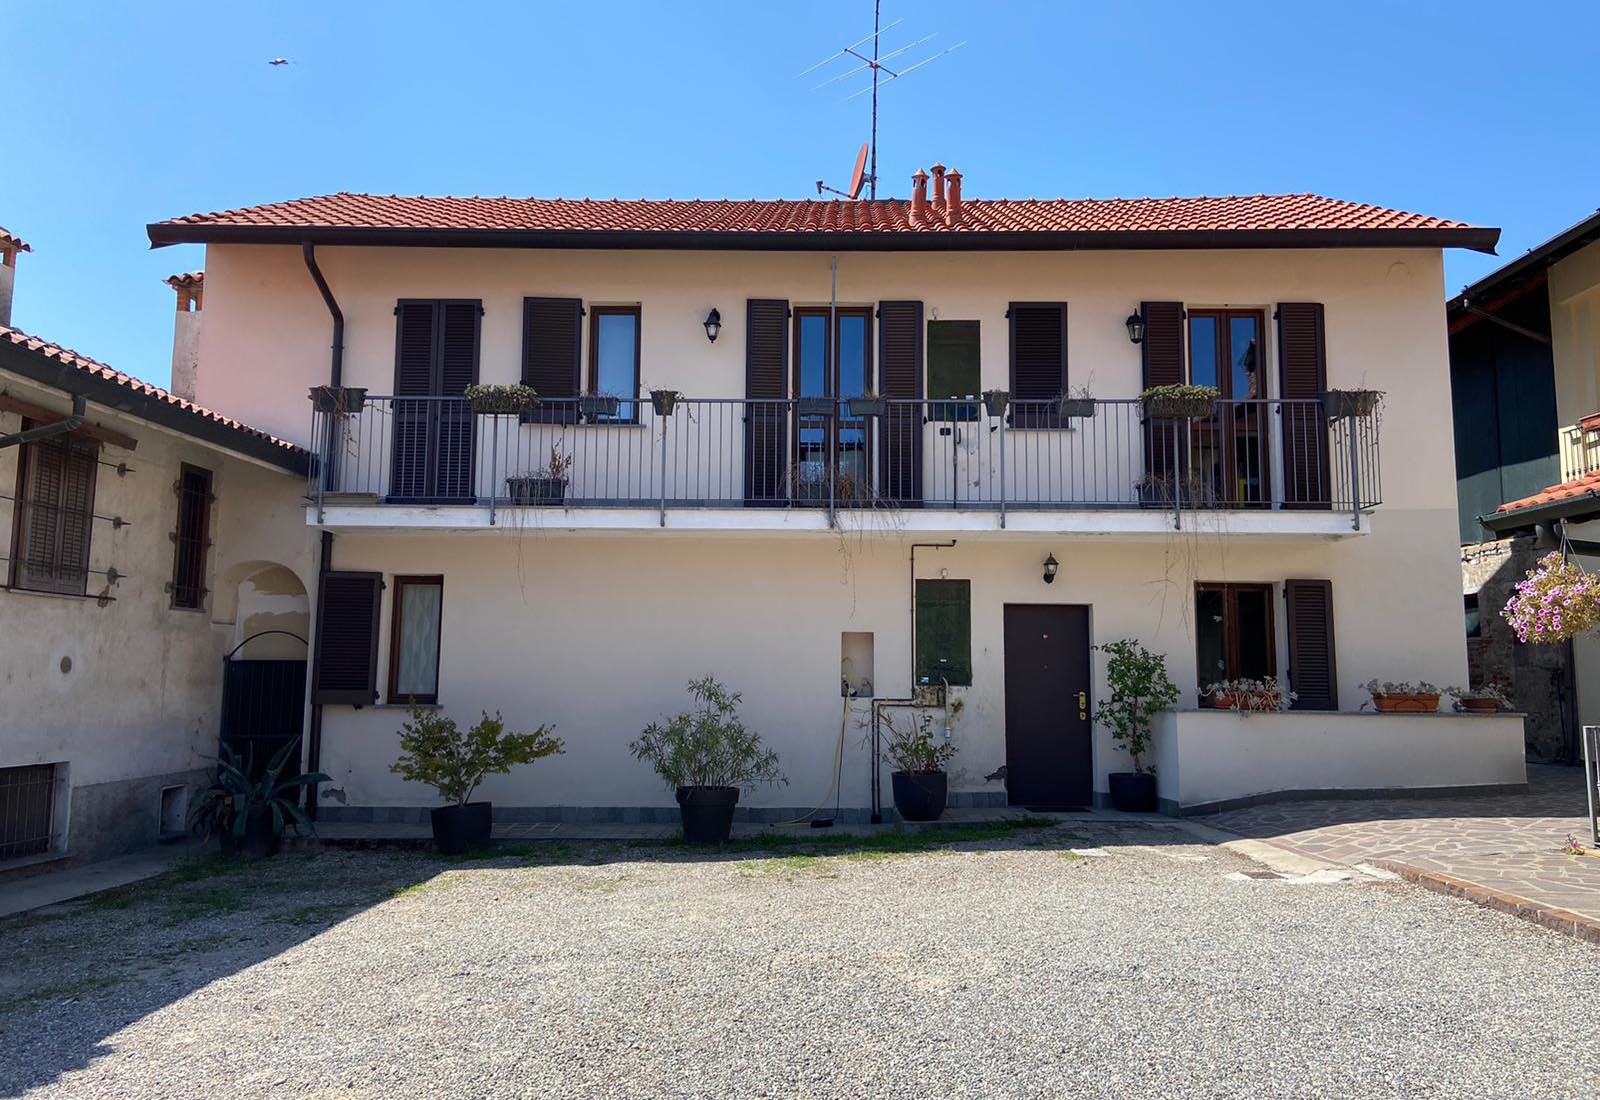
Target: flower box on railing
{"points": [[1081, 408], [1343, 403], [339, 400], [1180, 402], [599, 406], [867, 406], [495, 400], [534, 491], [816, 407]]}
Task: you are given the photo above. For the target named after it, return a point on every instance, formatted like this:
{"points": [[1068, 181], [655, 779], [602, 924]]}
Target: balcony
{"points": [[1580, 448], [817, 464]]}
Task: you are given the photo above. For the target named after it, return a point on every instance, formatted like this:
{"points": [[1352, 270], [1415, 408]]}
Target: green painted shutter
{"points": [[944, 632]]}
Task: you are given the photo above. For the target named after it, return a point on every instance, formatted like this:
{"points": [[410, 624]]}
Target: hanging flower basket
{"points": [[995, 401], [1180, 402], [495, 400], [1556, 602], [664, 401]]}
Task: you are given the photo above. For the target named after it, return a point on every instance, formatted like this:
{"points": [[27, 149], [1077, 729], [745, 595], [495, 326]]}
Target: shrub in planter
{"points": [[1140, 690], [496, 400], [1488, 699], [706, 754], [1556, 601], [1403, 696], [1249, 695], [920, 782], [1180, 402], [248, 816], [433, 750]]}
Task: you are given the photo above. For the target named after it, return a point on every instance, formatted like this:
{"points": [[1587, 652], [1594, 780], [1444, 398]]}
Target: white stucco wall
{"points": [[142, 692], [598, 633], [1575, 333]]}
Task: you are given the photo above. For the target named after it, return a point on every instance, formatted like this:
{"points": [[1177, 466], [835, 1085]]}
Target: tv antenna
{"points": [[881, 74]]}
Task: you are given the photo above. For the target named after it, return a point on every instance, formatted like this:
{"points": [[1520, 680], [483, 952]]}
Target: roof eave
{"points": [[1478, 239], [1540, 256], [1580, 507], [113, 395]]}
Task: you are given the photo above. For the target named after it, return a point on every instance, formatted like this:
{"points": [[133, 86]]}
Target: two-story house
{"points": [[845, 453]]}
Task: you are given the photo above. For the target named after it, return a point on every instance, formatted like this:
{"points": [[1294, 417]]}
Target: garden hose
{"points": [[838, 760]]}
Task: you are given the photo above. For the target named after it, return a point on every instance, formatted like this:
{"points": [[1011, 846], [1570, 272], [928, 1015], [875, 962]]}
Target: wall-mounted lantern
{"points": [[1135, 324], [713, 325], [1050, 567]]}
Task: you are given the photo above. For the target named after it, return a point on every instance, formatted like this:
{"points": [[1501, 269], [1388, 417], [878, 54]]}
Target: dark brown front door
{"points": [[1049, 761]]}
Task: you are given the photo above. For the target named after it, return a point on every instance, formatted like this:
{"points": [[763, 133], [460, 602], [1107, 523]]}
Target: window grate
{"points": [[27, 808], [194, 521]]}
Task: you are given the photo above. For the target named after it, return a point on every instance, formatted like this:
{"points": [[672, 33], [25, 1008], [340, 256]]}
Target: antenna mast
{"points": [[881, 73]]}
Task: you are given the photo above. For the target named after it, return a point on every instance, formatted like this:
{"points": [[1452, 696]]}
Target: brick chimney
{"points": [[938, 191], [10, 248], [919, 197], [953, 200], [190, 288]]}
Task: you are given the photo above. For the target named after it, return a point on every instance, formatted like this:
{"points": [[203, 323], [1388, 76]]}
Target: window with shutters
{"points": [[192, 538], [1313, 675], [1234, 632], [954, 370], [54, 514], [614, 340], [552, 343], [415, 613], [346, 658], [1038, 361], [944, 632]]}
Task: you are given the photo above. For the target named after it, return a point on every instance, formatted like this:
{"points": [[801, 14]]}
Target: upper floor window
{"points": [[614, 358], [192, 537], [1038, 360], [1225, 352], [54, 514]]}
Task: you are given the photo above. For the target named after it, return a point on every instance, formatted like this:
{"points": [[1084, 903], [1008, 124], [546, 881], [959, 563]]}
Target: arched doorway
{"points": [[264, 669]]}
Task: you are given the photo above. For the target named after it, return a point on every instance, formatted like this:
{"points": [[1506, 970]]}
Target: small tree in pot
{"points": [[435, 751], [919, 780], [706, 755], [1140, 690]]}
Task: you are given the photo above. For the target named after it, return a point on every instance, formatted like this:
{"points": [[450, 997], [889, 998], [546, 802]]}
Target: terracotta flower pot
{"points": [[1481, 706], [1406, 704]]}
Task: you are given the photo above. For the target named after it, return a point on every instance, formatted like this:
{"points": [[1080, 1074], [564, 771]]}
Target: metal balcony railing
{"points": [[841, 454], [1580, 448]]}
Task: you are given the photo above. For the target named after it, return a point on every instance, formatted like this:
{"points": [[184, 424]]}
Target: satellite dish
{"points": [[858, 178]]}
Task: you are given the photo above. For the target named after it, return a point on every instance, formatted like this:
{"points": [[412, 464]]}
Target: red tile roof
{"points": [[67, 357], [358, 214], [1588, 484], [187, 278], [9, 240]]}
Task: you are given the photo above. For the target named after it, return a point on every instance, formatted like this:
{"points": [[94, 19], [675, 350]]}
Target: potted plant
{"points": [[815, 407], [706, 755], [599, 406], [1403, 696], [1556, 601], [919, 780], [995, 401], [868, 404], [1249, 695], [1140, 690], [1180, 402], [1341, 403], [248, 816], [495, 400], [339, 400], [1076, 402], [542, 487], [1488, 699], [434, 751], [664, 401]]}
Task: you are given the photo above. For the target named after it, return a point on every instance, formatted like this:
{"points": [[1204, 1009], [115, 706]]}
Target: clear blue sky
{"points": [[120, 114]]}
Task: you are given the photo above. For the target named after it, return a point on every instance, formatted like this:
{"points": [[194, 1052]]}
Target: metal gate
{"points": [[263, 707]]}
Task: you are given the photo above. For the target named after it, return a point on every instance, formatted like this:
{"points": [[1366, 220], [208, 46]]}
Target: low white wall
{"points": [[1206, 756]]}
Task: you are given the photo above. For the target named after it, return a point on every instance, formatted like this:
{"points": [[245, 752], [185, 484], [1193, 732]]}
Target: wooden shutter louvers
{"points": [[552, 335], [1164, 364], [1302, 377], [766, 418], [1313, 674], [900, 353], [346, 660]]}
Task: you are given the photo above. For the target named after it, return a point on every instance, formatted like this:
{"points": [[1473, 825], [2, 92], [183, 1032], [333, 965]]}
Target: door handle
{"points": [[1083, 700]]}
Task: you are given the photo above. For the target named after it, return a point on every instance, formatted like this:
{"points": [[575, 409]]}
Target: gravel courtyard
{"points": [[1005, 966]]}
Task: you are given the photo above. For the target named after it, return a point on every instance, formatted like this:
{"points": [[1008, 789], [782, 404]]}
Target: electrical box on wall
{"points": [[855, 664]]}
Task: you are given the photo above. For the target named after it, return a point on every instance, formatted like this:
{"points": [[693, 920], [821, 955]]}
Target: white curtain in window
{"points": [[419, 640]]}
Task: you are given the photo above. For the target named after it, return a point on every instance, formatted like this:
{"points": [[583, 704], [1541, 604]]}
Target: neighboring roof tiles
{"points": [[10, 240], [158, 405], [1587, 485], [187, 279], [1226, 221]]}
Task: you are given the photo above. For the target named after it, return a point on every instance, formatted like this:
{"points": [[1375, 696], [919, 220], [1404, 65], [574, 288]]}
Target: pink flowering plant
{"points": [[1556, 602]]}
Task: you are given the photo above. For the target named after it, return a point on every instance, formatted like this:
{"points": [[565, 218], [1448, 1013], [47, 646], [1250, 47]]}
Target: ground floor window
{"points": [[944, 632], [414, 640], [1233, 631]]}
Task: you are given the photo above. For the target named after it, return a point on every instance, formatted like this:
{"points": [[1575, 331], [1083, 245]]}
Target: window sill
{"points": [[403, 706]]}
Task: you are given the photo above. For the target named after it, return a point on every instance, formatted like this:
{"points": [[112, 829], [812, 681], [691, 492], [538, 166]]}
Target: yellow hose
{"points": [[838, 756]]}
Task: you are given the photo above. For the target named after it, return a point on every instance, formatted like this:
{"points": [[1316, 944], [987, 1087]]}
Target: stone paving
{"points": [[1509, 845]]}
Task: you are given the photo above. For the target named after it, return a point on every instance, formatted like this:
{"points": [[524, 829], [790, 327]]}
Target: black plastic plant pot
{"points": [[995, 401], [867, 406], [595, 407], [664, 401], [1342, 403], [338, 399], [920, 796], [458, 829], [536, 490], [707, 813], [816, 407], [1133, 792], [260, 838], [1081, 407]]}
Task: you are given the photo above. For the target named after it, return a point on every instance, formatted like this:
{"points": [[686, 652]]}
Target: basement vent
{"points": [[27, 808]]}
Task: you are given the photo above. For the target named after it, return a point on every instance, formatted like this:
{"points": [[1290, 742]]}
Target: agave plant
{"points": [[226, 807]]}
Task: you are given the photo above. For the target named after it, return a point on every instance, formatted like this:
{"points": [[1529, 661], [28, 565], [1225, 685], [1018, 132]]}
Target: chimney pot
{"points": [[190, 290], [919, 196], [938, 189], [953, 201]]}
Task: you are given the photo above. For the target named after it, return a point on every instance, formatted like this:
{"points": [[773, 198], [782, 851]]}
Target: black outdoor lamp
{"points": [[1135, 325], [1050, 567], [713, 325]]}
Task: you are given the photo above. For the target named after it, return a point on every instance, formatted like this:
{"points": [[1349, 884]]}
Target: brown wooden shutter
{"points": [[346, 668], [415, 338], [1302, 376], [552, 344], [1312, 672], [1162, 356], [1038, 358], [766, 389], [900, 376], [55, 514], [459, 323]]}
